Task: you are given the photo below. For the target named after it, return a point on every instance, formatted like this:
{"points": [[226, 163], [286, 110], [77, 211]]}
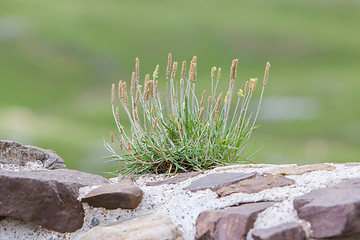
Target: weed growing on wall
{"points": [[176, 131]]}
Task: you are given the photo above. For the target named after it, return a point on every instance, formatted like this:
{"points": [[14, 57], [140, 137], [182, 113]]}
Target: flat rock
{"points": [[178, 178], [232, 223], [332, 211], [149, 227], [285, 231], [124, 194], [298, 170], [47, 198], [217, 180], [15, 153], [255, 185]]}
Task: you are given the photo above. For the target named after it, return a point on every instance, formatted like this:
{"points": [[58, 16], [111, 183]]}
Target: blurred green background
{"points": [[58, 60]]}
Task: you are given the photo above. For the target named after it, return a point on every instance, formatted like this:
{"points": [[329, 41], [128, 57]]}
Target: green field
{"points": [[58, 60]]}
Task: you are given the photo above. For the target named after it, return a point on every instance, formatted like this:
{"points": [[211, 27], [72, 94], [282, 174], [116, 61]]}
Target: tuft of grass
{"points": [[176, 131]]}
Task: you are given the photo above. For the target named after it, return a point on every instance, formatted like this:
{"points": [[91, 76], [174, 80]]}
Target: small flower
{"points": [[240, 93]]}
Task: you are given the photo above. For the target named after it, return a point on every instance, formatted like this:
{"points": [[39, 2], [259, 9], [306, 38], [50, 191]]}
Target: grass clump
{"points": [[176, 131]]}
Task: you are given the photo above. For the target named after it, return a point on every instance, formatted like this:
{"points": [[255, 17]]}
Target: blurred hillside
{"points": [[58, 60]]}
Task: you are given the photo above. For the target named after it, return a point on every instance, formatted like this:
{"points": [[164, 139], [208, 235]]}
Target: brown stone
{"points": [[232, 223], [255, 185], [124, 194], [178, 178], [295, 170], [47, 198], [15, 153], [148, 227], [285, 231], [217, 180], [332, 211]]}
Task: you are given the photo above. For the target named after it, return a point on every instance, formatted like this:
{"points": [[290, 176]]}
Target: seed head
{"points": [[246, 86], [192, 71], [113, 94], [120, 89], [117, 114], [266, 75], [129, 146], [174, 70], [137, 97], [156, 88], [132, 87], [201, 113], [218, 104], [136, 117], [121, 145], [240, 93], [168, 66], [213, 69], [233, 68], [181, 82], [227, 97], [219, 74], [183, 69], [137, 70], [202, 99], [233, 72], [111, 136], [156, 72]]}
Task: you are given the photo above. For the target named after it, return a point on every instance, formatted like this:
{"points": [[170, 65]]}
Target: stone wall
{"points": [[255, 201]]}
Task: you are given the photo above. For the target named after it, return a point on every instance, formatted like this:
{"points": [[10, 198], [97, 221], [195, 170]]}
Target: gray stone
{"points": [[285, 231], [178, 178], [15, 153], [95, 221], [255, 185], [124, 194], [218, 180], [148, 227], [332, 211], [232, 223], [47, 198]]}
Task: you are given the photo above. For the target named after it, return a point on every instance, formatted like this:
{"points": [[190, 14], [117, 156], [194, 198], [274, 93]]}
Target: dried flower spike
{"points": [[266, 75], [113, 94], [202, 99], [156, 72], [201, 114], [111, 136], [213, 69], [168, 66], [156, 88], [174, 70], [183, 69], [137, 70], [219, 74], [192, 72], [132, 87]]}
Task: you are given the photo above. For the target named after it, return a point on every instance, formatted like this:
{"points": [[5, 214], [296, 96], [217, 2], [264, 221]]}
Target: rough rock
{"points": [[217, 180], [47, 198], [179, 178], [15, 153], [298, 170], [332, 211], [285, 231], [124, 194], [149, 227], [232, 223], [255, 185]]}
